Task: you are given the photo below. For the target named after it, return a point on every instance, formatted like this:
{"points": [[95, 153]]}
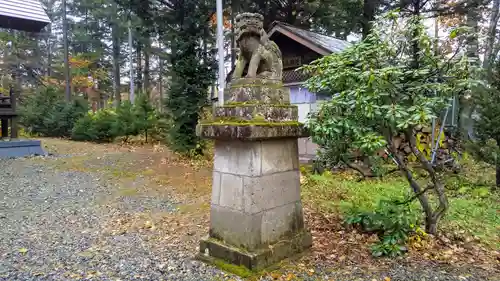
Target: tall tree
{"points": [[116, 54], [466, 106], [385, 86], [147, 65], [66, 53], [192, 70], [369, 9], [489, 53], [138, 53], [49, 4], [182, 25]]}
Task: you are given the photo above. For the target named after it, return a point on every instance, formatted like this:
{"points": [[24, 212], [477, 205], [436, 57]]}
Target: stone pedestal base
{"points": [[211, 249], [256, 214], [20, 148]]}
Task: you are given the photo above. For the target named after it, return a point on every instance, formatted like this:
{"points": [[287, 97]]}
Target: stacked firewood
{"points": [[423, 135]]}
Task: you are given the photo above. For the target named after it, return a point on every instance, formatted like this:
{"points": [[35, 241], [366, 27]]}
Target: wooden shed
{"points": [[300, 47], [24, 15], [28, 16]]}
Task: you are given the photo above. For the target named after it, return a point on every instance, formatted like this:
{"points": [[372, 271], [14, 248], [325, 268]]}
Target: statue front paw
{"points": [[266, 75]]}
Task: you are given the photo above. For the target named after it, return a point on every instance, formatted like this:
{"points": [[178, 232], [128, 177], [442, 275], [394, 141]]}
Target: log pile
{"points": [[423, 135]]}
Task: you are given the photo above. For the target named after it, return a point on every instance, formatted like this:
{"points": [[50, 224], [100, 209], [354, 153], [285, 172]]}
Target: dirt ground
{"points": [[140, 174]]}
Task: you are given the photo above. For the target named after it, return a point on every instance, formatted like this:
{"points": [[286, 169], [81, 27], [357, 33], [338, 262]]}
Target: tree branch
{"points": [[424, 201], [414, 196], [431, 217]]}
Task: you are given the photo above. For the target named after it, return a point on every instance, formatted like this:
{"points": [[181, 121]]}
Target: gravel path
{"points": [[52, 229], [71, 225]]}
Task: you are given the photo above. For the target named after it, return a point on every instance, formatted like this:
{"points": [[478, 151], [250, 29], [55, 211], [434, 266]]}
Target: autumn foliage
{"points": [[226, 21], [85, 73]]}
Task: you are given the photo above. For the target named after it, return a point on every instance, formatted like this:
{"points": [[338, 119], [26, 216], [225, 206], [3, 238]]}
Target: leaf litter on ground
{"points": [[189, 182]]}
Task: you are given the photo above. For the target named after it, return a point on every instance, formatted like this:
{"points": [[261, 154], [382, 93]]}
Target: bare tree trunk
{"points": [[131, 61], [491, 36], [50, 8], [415, 186], [147, 75], [116, 57], [49, 51], [139, 65], [496, 49], [432, 218], [368, 17], [85, 45], [66, 55], [497, 175], [466, 106], [160, 80], [415, 47]]}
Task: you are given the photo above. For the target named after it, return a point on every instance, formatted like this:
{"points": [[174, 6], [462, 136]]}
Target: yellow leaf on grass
{"points": [[275, 275], [387, 279], [23, 251]]}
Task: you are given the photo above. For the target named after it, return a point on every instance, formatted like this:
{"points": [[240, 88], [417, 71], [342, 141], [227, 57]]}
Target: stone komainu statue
{"points": [[260, 56]]}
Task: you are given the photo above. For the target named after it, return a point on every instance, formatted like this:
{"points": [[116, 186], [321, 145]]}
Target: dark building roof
{"points": [[24, 15], [319, 43]]}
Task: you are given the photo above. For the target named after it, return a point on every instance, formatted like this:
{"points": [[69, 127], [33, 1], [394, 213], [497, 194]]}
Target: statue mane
{"points": [[246, 23]]}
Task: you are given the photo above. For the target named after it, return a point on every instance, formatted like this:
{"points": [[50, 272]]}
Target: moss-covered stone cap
{"points": [[256, 82], [251, 131], [269, 93], [262, 112]]}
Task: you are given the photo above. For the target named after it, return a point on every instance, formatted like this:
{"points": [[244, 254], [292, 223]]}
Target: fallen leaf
{"points": [[23, 251], [149, 225], [275, 276]]}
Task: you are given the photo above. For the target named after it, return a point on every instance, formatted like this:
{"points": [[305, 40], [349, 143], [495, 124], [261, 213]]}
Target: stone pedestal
{"points": [[20, 148], [256, 210]]}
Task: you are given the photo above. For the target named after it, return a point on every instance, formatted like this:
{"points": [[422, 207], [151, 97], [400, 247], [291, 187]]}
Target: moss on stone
{"points": [[235, 269], [265, 113], [257, 103], [242, 122], [255, 82], [272, 86], [251, 130], [242, 103]]}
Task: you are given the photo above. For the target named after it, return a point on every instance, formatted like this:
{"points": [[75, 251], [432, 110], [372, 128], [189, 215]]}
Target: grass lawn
{"points": [[473, 205]]}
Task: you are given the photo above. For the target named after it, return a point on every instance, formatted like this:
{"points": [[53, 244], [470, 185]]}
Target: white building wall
{"points": [[306, 102]]}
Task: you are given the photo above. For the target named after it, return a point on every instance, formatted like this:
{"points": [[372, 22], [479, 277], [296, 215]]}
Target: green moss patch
{"points": [[258, 85], [256, 103], [242, 122], [234, 269]]}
